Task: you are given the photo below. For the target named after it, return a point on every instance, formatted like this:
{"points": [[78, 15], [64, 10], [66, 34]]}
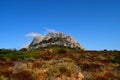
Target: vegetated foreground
{"points": [[59, 64]]}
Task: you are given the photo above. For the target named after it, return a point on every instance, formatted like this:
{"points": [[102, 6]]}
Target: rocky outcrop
{"points": [[54, 39]]}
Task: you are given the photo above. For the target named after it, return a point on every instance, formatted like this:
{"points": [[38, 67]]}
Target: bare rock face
{"points": [[54, 39]]}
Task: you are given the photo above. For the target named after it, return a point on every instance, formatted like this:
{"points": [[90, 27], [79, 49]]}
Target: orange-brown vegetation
{"points": [[60, 64]]}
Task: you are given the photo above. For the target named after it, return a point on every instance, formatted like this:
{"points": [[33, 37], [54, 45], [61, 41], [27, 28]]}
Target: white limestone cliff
{"points": [[54, 39]]}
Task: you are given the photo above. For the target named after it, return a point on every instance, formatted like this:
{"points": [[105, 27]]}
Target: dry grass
{"points": [[61, 64]]}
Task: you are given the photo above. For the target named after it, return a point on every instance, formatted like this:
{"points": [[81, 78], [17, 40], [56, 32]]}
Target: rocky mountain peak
{"points": [[54, 39]]}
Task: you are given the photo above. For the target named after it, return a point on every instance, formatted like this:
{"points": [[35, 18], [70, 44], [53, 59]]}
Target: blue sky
{"points": [[95, 24]]}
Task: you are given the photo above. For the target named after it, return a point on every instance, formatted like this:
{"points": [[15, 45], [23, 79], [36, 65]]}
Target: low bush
{"points": [[63, 68], [24, 75], [62, 51], [116, 59]]}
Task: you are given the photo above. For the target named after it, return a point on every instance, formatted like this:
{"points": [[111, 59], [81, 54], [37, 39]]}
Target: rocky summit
{"points": [[54, 39]]}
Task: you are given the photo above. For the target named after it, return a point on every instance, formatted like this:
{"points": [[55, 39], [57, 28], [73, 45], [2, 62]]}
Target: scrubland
{"points": [[56, 63]]}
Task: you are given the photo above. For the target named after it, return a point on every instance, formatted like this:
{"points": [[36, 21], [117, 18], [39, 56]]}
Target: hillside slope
{"points": [[59, 64]]}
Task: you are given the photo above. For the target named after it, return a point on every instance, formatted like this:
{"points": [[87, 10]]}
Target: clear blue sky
{"points": [[95, 24]]}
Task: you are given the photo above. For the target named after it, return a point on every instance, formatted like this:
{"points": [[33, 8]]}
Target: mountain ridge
{"points": [[54, 39]]}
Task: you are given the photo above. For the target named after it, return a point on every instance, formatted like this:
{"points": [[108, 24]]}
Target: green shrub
{"points": [[116, 59], [23, 49], [5, 51], [62, 50]]}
